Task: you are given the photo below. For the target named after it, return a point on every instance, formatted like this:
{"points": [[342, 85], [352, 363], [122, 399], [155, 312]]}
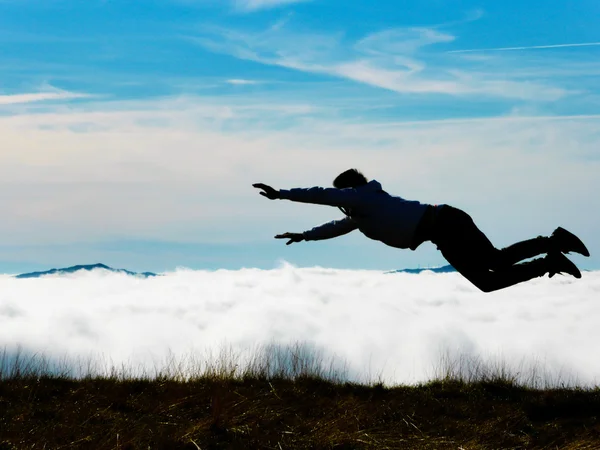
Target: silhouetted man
{"points": [[407, 224]]}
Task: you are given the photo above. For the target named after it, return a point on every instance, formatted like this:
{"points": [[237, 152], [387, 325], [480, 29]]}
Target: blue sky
{"points": [[132, 131]]}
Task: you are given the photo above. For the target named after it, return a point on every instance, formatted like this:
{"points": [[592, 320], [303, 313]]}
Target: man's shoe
{"points": [[559, 263], [566, 242]]}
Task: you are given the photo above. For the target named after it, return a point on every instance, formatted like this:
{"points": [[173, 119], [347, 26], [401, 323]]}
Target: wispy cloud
{"points": [[532, 47], [242, 82], [403, 60], [255, 5], [401, 41], [14, 99], [280, 23]]}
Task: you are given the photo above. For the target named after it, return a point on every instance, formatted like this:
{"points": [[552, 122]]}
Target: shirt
{"points": [[378, 215]]}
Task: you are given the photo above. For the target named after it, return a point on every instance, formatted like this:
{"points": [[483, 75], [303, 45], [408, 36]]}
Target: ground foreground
{"points": [[308, 413]]}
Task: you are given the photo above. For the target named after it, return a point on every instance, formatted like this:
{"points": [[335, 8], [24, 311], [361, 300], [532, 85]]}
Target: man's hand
{"points": [[293, 237], [269, 192]]}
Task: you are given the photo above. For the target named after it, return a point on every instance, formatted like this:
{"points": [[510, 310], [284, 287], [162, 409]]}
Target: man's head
{"points": [[351, 178]]}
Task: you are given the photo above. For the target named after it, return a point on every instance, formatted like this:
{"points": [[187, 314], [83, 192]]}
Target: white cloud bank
{"points": [[393, 326]]}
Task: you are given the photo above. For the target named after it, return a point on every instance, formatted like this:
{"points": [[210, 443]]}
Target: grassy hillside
{"points": [[285, 410]]}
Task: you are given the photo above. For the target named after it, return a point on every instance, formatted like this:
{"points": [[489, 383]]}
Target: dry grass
{"points": [[285, 399]]}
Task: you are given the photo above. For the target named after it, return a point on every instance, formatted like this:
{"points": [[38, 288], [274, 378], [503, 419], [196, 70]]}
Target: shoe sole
{"points": [[569, 268], [579, 243]]}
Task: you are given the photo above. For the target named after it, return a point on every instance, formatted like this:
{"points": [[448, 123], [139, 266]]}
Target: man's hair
{"points": [[351, 178]]}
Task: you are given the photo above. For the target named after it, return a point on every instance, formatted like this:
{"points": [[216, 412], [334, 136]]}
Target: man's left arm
{"points": [[330, 230]]}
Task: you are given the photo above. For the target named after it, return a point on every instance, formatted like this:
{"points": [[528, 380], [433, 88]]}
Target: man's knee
{"points": [[498, 259], [485, 286], [485, 281]]}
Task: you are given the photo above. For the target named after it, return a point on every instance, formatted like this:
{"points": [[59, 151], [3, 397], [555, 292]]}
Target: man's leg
{"points": [[523, 250], [471, 253], [458, 238], [493, 280], [561, 240]]}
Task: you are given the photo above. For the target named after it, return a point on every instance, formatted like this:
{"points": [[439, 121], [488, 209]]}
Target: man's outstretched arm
{"points": [[316, 195], [328, 230]]}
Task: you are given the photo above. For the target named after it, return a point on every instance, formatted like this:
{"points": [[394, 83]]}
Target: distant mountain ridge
{"points": [[90, 267], [87, 267], [443, 269]]}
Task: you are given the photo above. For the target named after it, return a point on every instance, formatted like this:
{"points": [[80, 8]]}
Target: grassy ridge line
{"points": [[286, 399], [265, 361], [214, 413]]}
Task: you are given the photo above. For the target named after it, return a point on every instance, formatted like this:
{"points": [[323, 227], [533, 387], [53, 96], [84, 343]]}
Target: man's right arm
{"points": [[347, 198]]}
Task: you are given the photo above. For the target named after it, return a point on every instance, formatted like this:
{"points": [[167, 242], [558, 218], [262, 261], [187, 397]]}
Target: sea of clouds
{"points": [[390, 327]]}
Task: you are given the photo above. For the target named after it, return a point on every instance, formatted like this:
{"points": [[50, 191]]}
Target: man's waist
{"points": [[426, 226]]}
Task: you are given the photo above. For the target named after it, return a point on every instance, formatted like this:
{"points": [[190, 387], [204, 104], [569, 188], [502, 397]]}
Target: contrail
{"points": [[533, 47]]}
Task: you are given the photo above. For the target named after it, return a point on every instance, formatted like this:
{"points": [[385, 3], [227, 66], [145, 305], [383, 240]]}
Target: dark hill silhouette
{"points": [[443, 269], [88, 267]]}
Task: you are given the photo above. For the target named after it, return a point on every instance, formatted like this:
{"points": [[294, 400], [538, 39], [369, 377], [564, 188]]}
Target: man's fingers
{"points": [[291, 236], [269, 192], [262, 186]]}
